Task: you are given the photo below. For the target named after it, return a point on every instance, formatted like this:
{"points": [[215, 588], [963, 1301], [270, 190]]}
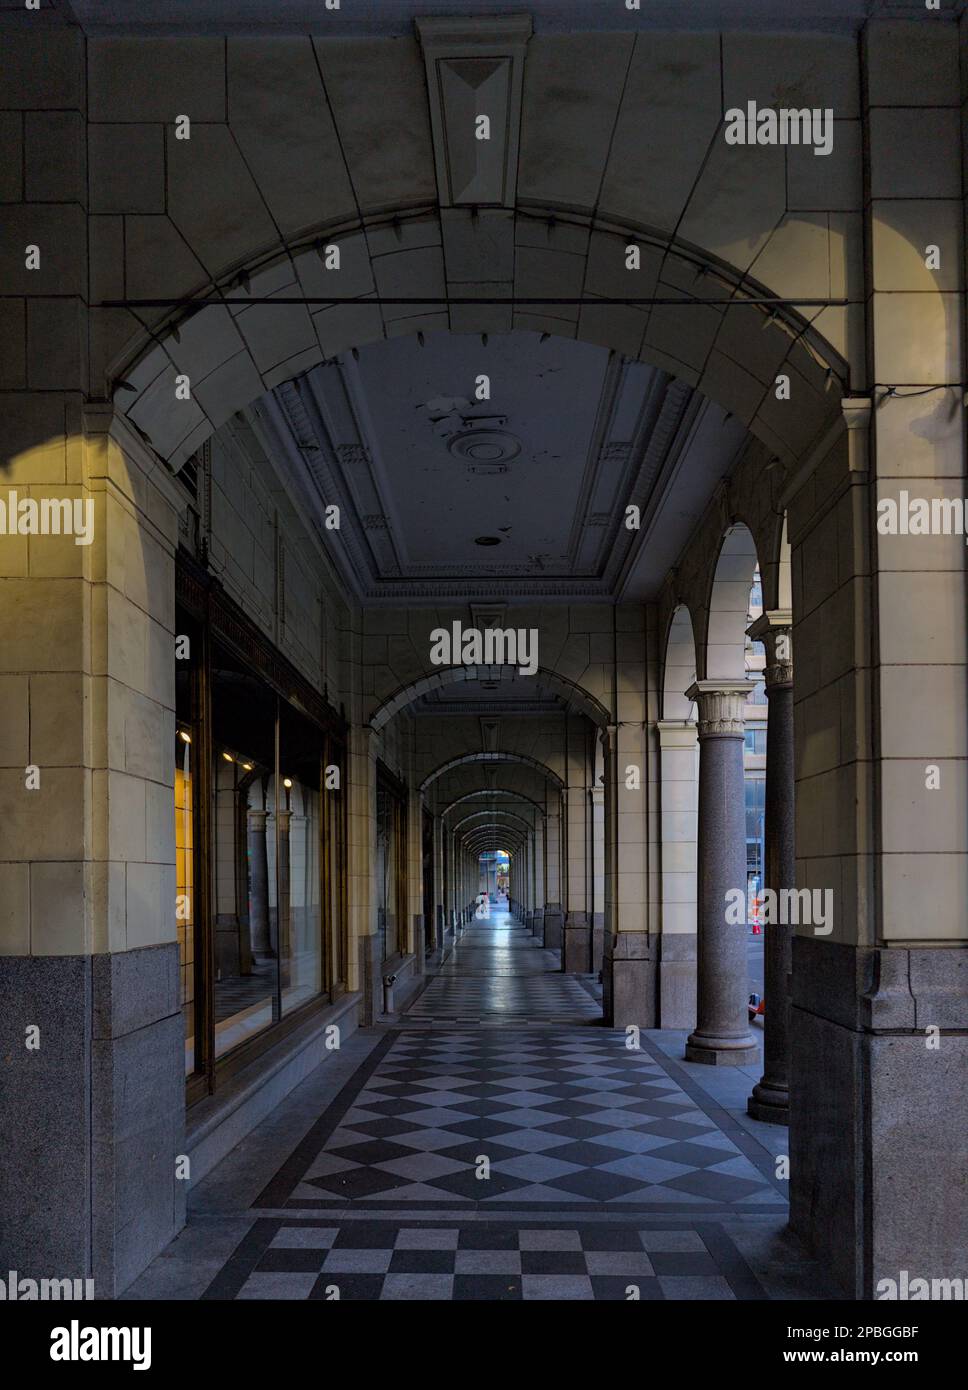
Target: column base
{"points": [[553, 926], [770, 1104], [879, 1116], [93, 1123], [629, 980], [677, 980], [576, 955], [598, 942], [371, 981], [712, 1051]]}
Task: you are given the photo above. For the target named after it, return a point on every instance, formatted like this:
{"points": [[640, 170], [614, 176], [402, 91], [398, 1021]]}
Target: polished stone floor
{"points": [[496, 1142]]}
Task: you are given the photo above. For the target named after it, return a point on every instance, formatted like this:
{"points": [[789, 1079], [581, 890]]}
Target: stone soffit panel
{"points": [[416, 487]]}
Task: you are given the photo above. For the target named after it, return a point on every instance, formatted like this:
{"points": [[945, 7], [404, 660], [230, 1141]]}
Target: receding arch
{"points": [[572, 693], [496, 757], [679, 671], [784, 575], [492, 791], [235, 351], [728, 608], [490, 816]]}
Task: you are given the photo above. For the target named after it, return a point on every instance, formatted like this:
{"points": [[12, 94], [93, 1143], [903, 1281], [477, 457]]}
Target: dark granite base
{"points": [[677, 980], [554, 925], [629, 980], [598, 941], [711, 1056], [770, 1104], [94, 1120], [371, 977], [577, 951], [879, 1111], [418, 942]]}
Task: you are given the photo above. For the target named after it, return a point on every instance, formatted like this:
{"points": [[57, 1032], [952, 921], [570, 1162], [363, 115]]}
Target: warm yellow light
{"points": [[228, 757], [185, 738], [247, 766], [287, 781]]}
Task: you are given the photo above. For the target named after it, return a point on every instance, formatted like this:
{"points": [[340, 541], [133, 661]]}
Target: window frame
{"points": [[214, 616]]}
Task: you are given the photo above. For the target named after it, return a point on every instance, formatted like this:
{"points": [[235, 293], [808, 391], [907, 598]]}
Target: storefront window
{"points": [[389, 864], [300, 843], [243, 760], [260, 827]]}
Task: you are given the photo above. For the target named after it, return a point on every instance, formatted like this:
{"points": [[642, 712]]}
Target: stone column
{"points": [[576, 932], [284, 933], [770, 1100], [597, 810], [722, 1036], [438, 922], [678, 822], [93, 1121], [553, 915], [537, 926], [259, 885]]}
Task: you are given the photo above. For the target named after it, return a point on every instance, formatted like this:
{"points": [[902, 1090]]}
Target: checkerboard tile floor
{"points": [[498, 972], [510, 998], [377, 1260], [523, 1117], [480, 1153]]}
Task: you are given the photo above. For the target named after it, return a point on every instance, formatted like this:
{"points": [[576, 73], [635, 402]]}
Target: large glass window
{"points": [[260, 829], [755, 740], [755, 803], [185, 839], [300, 844], [389, 865], [245, 885]]}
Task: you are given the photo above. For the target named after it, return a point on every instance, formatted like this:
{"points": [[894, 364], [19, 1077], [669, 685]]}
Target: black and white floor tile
{"points": [[484, 1260], [497, 1143], [522, 1117]]}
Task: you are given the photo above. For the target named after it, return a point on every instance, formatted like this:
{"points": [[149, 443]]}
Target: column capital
{"points": [[774, 629], [721, 705]]}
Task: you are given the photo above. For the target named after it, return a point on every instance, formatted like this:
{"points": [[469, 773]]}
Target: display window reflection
{"points": [[260, 832]]}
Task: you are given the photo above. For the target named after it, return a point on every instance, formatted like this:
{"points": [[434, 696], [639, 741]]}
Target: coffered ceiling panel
{"points": [[466, 465]]}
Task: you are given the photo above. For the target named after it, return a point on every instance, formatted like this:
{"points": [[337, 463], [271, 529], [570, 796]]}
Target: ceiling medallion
{"points": [[485, 447]]}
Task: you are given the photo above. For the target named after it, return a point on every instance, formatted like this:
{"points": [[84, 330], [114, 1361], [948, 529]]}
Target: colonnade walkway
{"points": [[497, 1142]]}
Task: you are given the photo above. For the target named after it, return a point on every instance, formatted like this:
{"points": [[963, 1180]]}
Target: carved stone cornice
{"points": [[720, 704], [775, 630]]}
